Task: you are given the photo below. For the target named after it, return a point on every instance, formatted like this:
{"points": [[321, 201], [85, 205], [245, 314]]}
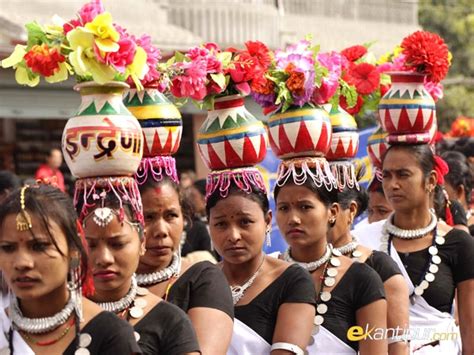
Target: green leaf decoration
{"points": [[36, 34], [219, 79]]}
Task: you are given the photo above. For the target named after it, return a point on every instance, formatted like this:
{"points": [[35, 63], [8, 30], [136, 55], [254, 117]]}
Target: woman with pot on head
{"points": [[349, 202], [114, 232], [200, 290], [273, 300], [348, 293], [44, 262], [435, 266]]}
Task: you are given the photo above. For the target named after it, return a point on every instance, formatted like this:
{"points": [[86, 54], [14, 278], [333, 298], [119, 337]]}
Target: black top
{"points": [[202, 285], [457, 265], [110, 336], [294, 285], [358, 287], [383, 264], [166, 329], [196, 238]]}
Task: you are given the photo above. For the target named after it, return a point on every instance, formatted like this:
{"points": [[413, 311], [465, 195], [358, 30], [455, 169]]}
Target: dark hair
{"points": [[325, 196], [8, 181], [423, 154], [186, 207], [200, 185], [459, 172], [255, 195], [360, 197], [48, 203]]}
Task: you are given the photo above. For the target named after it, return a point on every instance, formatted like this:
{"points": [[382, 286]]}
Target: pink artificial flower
{"points": [[213, 64], [333, 62], [243, 88], [192, 83], [435, 89], [87, 13], [211, 47], [153, 56], [125, 54], [197, 52]]}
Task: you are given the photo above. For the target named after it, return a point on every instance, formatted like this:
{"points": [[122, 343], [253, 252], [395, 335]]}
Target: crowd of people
{"points": [[113, 282]]}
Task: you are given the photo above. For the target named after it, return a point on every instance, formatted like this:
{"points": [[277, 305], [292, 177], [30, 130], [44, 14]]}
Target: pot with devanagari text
{"points": [[103, 138]]}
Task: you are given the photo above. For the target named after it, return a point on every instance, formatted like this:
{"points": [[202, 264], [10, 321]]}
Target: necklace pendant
{"points": [[318, 319], [136, 312]]}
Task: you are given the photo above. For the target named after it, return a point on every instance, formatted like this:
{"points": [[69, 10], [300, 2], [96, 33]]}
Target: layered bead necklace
{"points": [[331, 262], [390, 231], [162, 275]]}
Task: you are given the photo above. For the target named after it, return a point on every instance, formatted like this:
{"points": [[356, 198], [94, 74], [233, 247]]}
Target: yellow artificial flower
{"points": [[106, 35], [384, 58], [83, 58], [138, 68], [450, 57], [397, 51], [14, 58], [59, 75], [22, 75]]}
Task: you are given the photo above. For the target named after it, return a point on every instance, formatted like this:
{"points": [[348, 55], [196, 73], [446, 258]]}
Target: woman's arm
{"points": [[213, 329], [294, 325], [465, 292], [373, 316], [396, 294]]}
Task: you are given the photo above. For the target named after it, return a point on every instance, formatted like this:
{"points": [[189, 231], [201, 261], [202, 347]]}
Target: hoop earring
{"points": [[75, 287], [268, 238]]}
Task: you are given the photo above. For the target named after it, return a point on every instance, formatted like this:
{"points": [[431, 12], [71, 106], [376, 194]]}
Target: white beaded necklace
{"points": [[311, 266], [122, 303], [410, 233], [161, 275], [430, 273], [350, 248]]}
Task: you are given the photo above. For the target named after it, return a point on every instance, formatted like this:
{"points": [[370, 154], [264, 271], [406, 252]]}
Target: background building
{"points": [[32, 119]]}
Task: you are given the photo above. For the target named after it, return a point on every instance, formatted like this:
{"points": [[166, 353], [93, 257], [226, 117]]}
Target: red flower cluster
{"points": [[365, 77], [427, 53], [352, 110], [354, 53], [262, 86], [249, 65], [43, 60]]}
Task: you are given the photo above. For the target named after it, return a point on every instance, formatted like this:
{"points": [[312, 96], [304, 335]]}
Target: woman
{"points": [[39, 251], [458, 183], [200, 290], [349, 204], [378, 208], [348, 293], [435, 266], [115, 248], [274, 301]]}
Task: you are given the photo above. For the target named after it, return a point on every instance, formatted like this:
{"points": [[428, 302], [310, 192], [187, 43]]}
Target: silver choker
{"points": [[40, 325], [410, 233], [123, 303], [349, 247], [162, 275], [311, 266]]}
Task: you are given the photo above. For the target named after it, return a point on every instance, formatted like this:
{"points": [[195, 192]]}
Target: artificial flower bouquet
{"points": [[421, 52], [90, 47], [301, 76], [206, 72]]}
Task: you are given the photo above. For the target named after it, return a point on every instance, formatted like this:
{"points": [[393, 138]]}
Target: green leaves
{"points": [[36, 34]]}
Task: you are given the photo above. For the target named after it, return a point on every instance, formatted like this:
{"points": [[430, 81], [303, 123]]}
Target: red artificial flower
{"points": [[352, 110], [260, 51], [262, 85], [364, 77], [244, 68], [43, 60], [295, 83], [384, 89], [427, 53], [354, 53]]}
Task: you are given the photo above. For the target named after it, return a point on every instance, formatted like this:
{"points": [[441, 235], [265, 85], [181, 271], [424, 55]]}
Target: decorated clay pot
{"points": [[345, 138], [231, 137], [103, 138], [159, 118], [377, 146], [299, 132], [407, 110]]}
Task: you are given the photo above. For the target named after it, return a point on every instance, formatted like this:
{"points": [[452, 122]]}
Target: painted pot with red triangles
{"points": [[160, 121], [231, 137], [377, 146], [300, 132], [345, 138], [407, 110]]}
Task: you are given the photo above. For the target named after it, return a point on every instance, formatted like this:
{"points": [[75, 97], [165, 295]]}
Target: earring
{"points": [[142, 251], [75, 287], [332, 222], [268, 237]]}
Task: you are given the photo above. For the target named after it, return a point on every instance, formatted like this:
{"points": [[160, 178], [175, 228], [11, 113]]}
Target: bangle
{"points": [[295, 349], [398, 339]]}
